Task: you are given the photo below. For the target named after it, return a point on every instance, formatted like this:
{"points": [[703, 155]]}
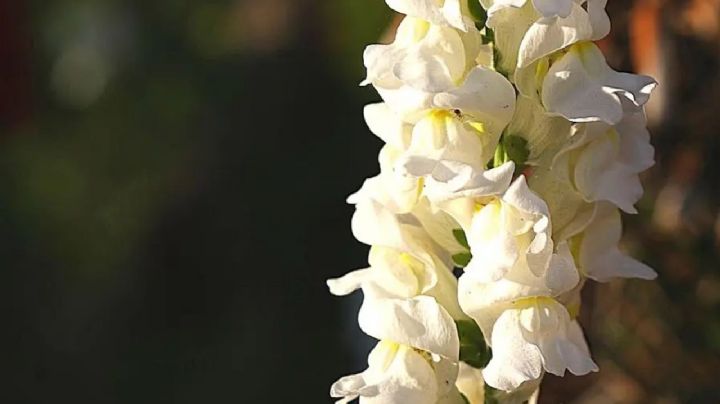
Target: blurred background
{"points": [[172, 184]]}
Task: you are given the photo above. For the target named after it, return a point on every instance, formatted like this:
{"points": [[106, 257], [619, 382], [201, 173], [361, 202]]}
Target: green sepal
{"points": [[516, 149], [488, 36], [511, 148], [478, 13], [501, 156], [462, 260], [491, 395], [473, 349], [459, 235]]}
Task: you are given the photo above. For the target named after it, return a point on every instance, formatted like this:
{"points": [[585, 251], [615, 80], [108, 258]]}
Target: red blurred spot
{"points": [[14, 65]]}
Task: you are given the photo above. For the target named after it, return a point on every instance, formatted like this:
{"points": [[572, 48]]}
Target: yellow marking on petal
{"points": [[541, 71], [529, 302], [614, 137], [581, 49], [478, 126], [494, 205], [389, 349], [440, 114], [413, 265], [420, 187], [420, 29]]}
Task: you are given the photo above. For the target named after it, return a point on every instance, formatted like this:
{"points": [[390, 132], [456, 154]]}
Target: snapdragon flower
{"points": [[597, 251], [397, 373], [526, 31], [504, 232], [602, 162], [581, 87], [423, 56], [529, 330], [454, 13]]}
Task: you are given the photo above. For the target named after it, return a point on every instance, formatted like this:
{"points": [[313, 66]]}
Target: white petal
{"points": [[600, 257], [439, 225], [471, 384], [486, 96], [457, 15], [424, 9], [348, 283], [387, 126], [419, 322], [494, 250], [396, 373], [598, 18], [568, 352], [452, 13], [379, 61], [510, 25], [552, 8], [373, 224], [562, 275], [548, 35], [442, 136], [452, 180], [498, 5], [515, 360], [520, 196], [583, 88], [635, 148], [436, 63]]}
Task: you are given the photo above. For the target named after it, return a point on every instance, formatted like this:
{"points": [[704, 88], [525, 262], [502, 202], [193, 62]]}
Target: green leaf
{"points": [[462, 259], [473, 350], [459, 235]]}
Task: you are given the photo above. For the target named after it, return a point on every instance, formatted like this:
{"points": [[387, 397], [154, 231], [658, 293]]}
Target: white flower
{"points": [[401, 250], [396, 192], [400, 303], [505, 232], [397, 373], [442, 137], [581, 87], [602, 162], [546, 8], [451, 139], [535, 335], [484, 97], [423, 56], [528, 330], [471, 384], [439, 12], [597, 252], [387, 125], [484, 301], [549, 176], [526, 32]]}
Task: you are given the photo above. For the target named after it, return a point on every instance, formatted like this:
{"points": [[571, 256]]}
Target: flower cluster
{"points": [[510, 148]]}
